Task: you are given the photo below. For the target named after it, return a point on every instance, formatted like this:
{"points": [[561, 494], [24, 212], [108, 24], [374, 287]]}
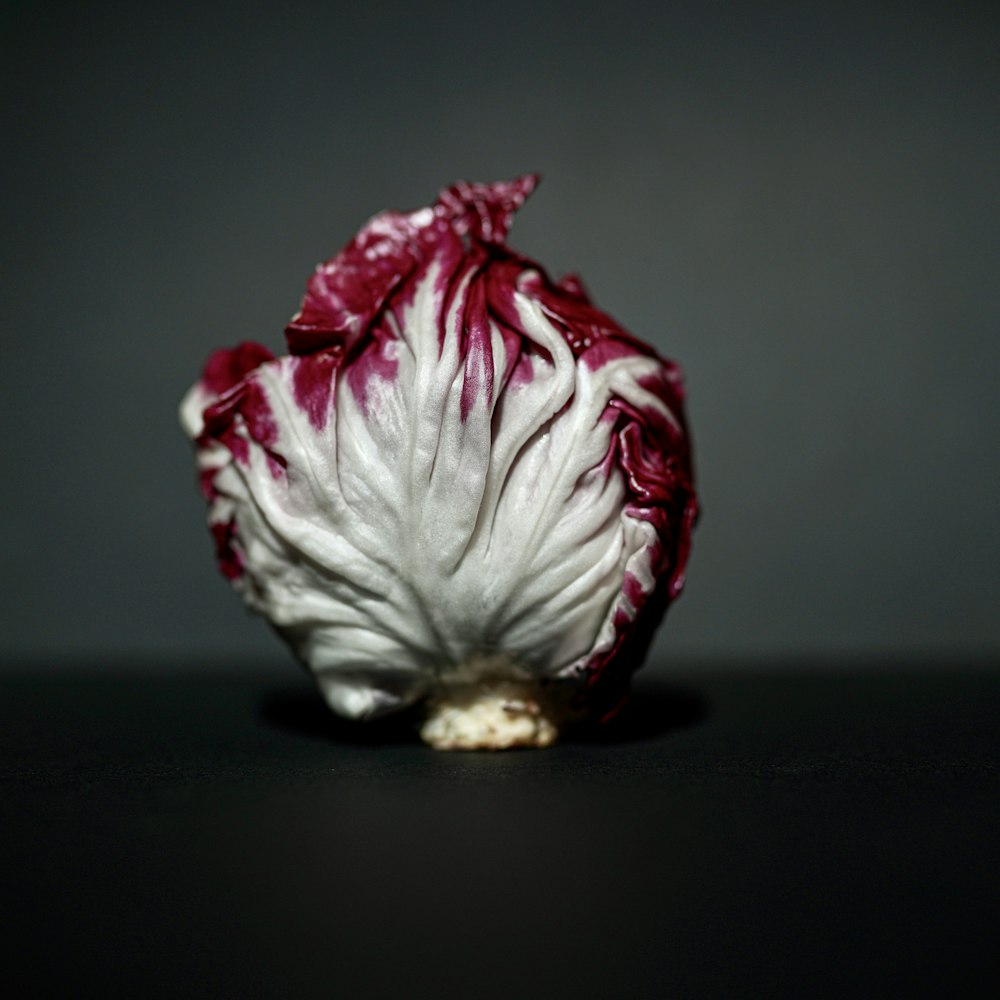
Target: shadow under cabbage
{"points": [[655, 709]]}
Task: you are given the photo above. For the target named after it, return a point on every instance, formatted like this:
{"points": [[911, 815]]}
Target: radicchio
{"points": [[464, 481]]}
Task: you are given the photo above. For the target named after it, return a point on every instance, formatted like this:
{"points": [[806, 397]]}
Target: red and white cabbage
{"points": [[464, 485]]}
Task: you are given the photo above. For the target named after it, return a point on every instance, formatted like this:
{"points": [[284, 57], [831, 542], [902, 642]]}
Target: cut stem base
{"points": [[491, 715]]}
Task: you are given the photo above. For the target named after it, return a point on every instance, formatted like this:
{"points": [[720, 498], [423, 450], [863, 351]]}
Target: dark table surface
{"points": [[785, 834]]}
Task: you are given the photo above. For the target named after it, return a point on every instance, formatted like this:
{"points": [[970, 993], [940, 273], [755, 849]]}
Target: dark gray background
{"points": [[797, 202]]}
